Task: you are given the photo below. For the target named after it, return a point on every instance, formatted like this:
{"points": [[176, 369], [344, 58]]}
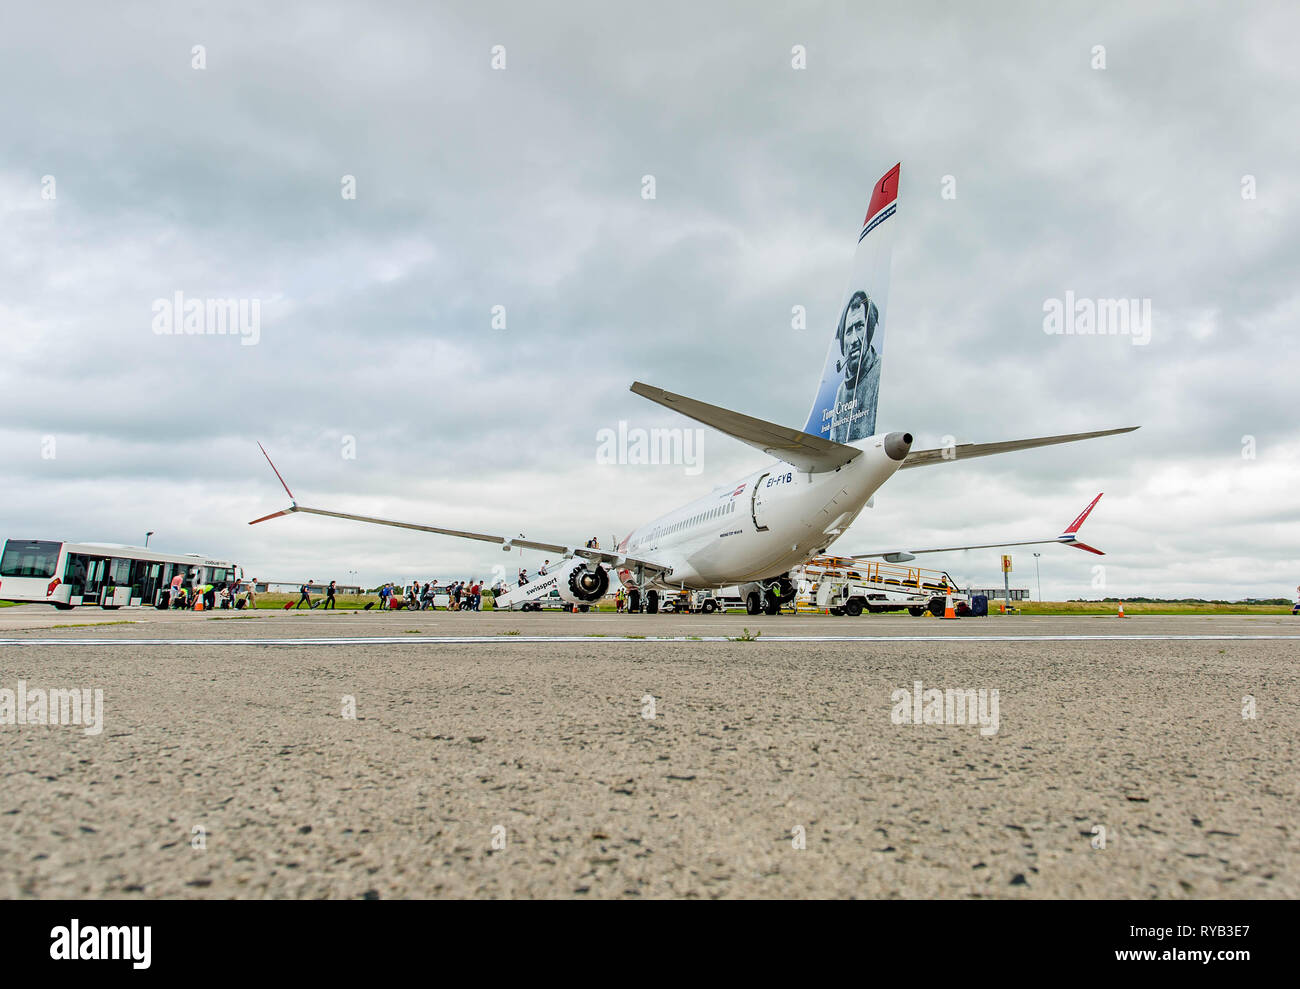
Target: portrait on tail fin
{"points": [[859, 388]]}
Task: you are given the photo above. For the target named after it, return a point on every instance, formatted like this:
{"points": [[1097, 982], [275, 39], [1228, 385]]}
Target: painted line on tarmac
{"points": [[389, 640]]}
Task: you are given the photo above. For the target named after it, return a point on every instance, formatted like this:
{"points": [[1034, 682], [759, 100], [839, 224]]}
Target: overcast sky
{"points": [[128, 175]]}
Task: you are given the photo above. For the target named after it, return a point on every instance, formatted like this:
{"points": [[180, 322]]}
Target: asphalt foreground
{"points": [[595, 765]]}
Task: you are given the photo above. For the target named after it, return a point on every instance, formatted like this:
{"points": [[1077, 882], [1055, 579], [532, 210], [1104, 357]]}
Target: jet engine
{"points": [[583, 582]]}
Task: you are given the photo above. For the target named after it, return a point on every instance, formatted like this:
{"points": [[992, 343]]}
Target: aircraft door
{"points": [[756, 503]]}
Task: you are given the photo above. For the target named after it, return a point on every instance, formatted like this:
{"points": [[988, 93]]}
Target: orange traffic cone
{"points": [[1121, 610], [948, 611], [198, 605]]}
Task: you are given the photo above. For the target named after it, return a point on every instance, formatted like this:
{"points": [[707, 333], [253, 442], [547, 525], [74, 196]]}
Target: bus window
{"points": [[120, 572], [29, 558], [92, 574]]}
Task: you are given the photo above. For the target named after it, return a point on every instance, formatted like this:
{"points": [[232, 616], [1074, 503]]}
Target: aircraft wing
{"points": [[506, 543], [814, 454], [965, 451], [1070, 537]]}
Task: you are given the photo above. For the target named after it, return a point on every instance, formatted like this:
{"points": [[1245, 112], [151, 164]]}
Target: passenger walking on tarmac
{"points": [[476, 593], [329, 596], [383, 598], [304, 596]]}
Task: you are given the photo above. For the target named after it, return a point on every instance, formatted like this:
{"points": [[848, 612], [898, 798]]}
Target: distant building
{"points": [[291, 587]]}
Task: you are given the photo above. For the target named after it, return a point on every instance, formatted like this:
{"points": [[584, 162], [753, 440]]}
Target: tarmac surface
{"points": [[554, 755]]}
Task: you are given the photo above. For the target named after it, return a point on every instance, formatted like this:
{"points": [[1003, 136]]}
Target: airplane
{"points": [[754, 530]]}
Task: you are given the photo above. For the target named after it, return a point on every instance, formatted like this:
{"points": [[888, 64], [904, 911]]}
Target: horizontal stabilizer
{"points": [[793, 446], [965, 451], [1068, 538]]}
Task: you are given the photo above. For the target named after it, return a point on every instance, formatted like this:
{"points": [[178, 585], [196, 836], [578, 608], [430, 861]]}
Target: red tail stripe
{"points": [[885, 192]]}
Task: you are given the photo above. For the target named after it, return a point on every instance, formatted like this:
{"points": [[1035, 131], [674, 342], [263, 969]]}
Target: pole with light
{"points": [[1040, 576], [146, 539]]}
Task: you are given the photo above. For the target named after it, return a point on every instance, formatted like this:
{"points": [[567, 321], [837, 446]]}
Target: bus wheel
{"points": [[853, 607], [61, 606], [709, 607], [110, 607], [916, 612], [837, 612], [752, 604]]}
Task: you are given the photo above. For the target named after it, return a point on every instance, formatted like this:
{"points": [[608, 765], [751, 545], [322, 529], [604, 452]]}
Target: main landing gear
{"points": [[762, 602], [636, 599]]}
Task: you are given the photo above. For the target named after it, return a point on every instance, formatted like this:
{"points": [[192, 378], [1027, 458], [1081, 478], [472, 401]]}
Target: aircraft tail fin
{"points": [[844, 408]]}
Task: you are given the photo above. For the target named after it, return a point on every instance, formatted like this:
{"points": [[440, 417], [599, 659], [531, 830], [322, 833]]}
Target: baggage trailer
{"points": [[721, 599], [844, 586]]}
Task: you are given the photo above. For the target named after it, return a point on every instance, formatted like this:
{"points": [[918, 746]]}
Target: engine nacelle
{"points": [[582, 582]]}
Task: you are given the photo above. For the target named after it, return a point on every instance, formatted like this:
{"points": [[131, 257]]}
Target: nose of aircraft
{"points": [[897, 445]]}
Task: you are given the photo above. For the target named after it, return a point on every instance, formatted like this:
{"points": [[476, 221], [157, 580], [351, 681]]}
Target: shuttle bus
{"points": [[110, 575]]}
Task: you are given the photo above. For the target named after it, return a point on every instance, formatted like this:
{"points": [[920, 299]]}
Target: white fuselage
{"points": [[762, 525]]}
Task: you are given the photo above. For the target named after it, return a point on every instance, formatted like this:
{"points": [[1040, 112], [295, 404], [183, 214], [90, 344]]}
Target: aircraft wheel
{"points": [[771, 606], [916, 612], [753, 604], [584, 608], [709, 607], [853, 607], [652, 602], [633, 601]]}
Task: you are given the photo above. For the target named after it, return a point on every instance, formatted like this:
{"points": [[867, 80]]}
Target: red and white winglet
{"points": [[1070, 536], [292, 500]]}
